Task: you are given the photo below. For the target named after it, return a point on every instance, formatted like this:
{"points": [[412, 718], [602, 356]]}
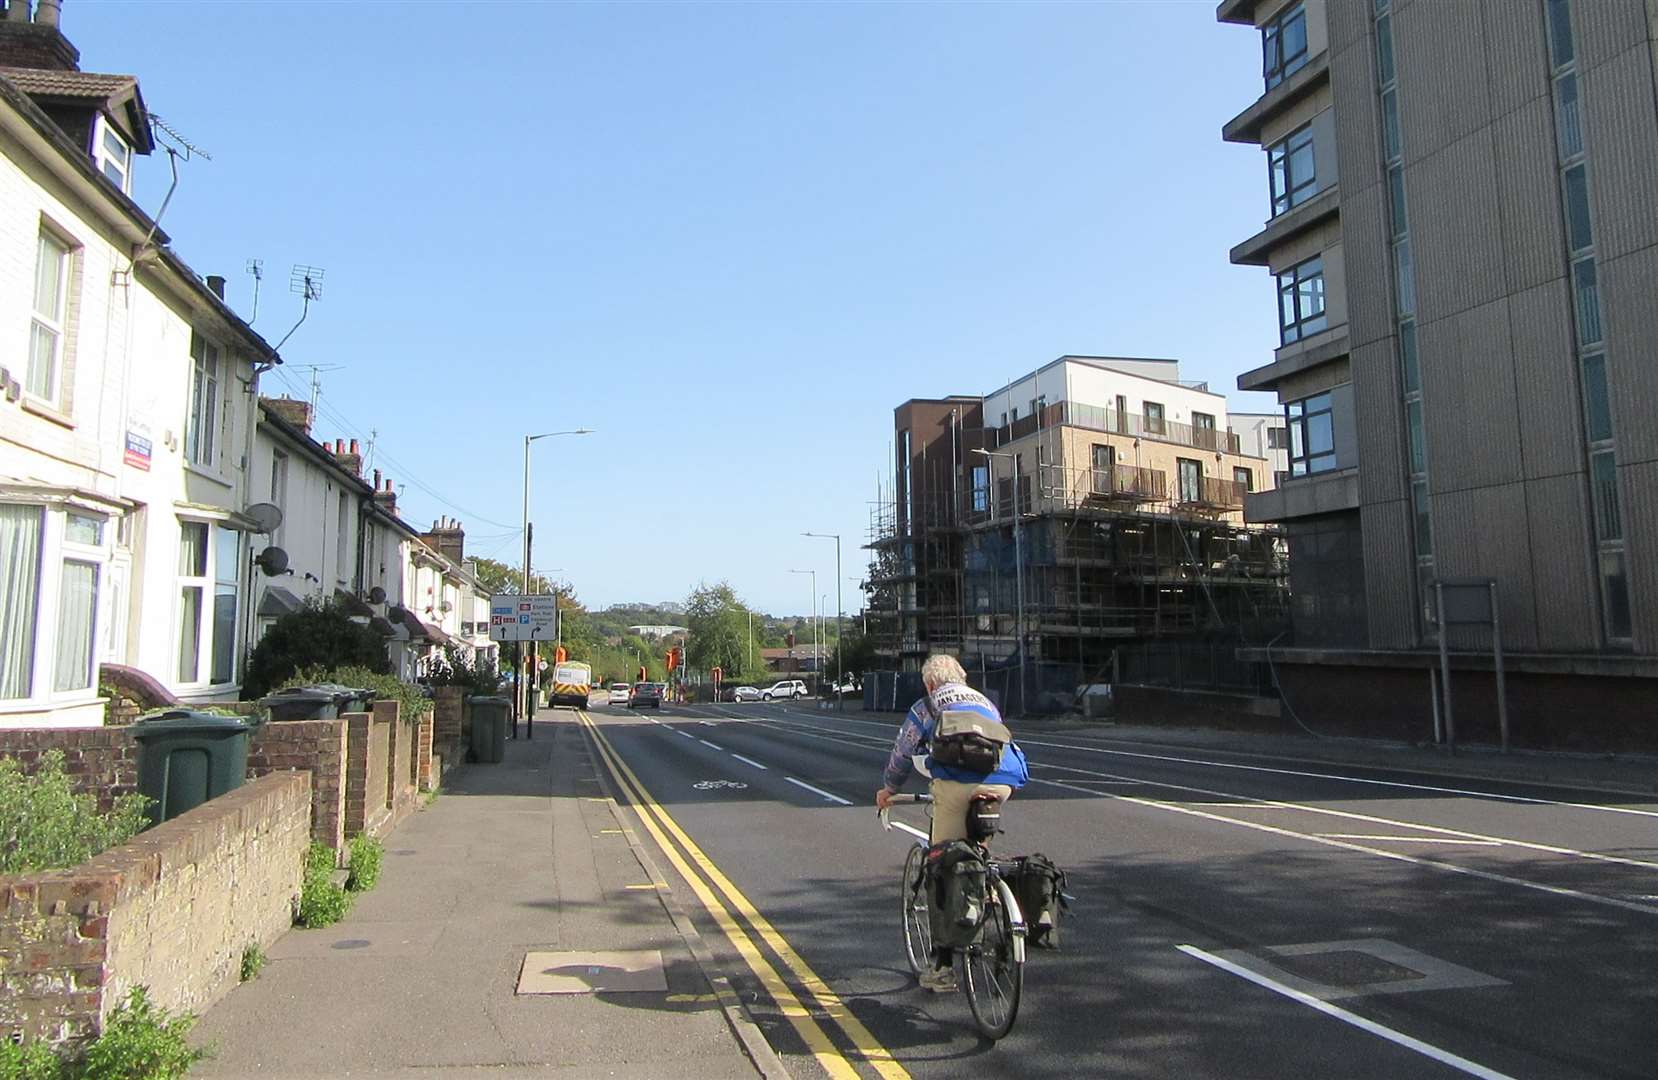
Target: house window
{"points": [[1243, 477], [1290, 164], [1104, 457], [1312, 435], [279, 489], [1014, 415], [46, 332], [83, 537], [192, 573], [1203, 430], [202, 424], [1284, 45], [1301, 300], [1277, 438], [113, 155], [1154, 417], [981, 489], [209, 561], [342, 550], [226, 566], [1191, 479], [20, 543]]}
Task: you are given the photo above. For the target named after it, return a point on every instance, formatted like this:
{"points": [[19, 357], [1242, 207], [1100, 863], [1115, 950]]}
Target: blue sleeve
{"points": [[912, 733]]}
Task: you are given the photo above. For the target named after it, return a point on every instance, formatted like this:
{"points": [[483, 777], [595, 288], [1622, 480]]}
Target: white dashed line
{"points": [[684, 734], [818, 791], [748, 761], [705, 742]]}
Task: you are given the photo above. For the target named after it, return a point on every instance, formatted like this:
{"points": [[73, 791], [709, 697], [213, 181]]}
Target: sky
{"points": [[729, 238]]}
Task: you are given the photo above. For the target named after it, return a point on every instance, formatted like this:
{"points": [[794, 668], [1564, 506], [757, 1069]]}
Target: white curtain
{"points": [[19, 594], [77, 614]]}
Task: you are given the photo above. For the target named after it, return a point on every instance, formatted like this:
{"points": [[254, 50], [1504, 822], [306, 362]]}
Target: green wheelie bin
{"points": [[186, 757]]}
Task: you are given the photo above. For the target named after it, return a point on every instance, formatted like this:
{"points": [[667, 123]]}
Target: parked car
{"points": [[786, 688], [619, 693], [742, 693], [646, 693]]}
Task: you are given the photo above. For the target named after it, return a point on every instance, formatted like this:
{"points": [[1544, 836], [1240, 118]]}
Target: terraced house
{"points": [[1460, 204], [127, 418]]}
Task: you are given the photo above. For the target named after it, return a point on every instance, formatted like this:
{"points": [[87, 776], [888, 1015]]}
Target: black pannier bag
{"points": [[957, 876], [1039, 886], [968, 740]]}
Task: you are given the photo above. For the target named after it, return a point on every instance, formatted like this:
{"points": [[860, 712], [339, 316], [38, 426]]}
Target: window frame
{"points": [[1281, 156], [1276, 66], [1243, 474], [1293, 285], [1180, 473], [56, 324], [55, 550], [1297, 421], [1278, 438], [101, 157], [201, 431], [1160, 426]]}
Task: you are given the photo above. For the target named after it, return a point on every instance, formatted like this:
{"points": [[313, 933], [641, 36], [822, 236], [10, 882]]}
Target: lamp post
{"points": [[817, 636], [525, 698], [1018, 562], [840, 648]]}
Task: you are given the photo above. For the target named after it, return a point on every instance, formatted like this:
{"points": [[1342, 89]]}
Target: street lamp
{"points": [[817, 634], [1018, 562], [526, 699], [840, 650]]}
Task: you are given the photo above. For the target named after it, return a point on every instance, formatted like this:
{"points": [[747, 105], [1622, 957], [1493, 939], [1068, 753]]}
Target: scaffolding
{"points": [[1112, 557]]}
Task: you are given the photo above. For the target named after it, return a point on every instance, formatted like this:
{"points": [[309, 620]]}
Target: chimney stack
{"points": [[352, 459], [297, 413], [216, 285], [387, 497], [449, 539], [36, 42]]}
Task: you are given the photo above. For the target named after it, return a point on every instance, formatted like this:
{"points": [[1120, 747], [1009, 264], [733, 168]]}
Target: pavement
{"points": [[507, 877]]}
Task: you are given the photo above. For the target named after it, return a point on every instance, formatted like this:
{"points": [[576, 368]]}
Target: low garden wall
{"points": [[314, 746], [171, 911], [383, 767]]}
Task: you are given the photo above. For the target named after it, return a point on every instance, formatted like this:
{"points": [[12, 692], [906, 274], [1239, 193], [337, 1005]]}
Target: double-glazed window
{"points": [[201, 430], [1243, 477], [1284, 45], [1190, 474], [1104, 459], [981, 489], [46, 329], [113, 155], [1154, 418], [1292, 169], [1301, 301], [1277, 438], [52, 564], [209, 561], [1312, 435]]}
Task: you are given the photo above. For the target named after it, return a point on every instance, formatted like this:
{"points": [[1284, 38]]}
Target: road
{"points": [[1235, 917]]}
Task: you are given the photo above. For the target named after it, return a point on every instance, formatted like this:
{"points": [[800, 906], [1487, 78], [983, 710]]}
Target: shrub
{"points": [[253, 961], [321, 902], [366, 855], [411, 700], [141, 1041], [453, 669], [29, 1061], [46, 825], [319, 634]]}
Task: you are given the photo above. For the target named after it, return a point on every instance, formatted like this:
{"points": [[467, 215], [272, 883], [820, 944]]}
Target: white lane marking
{"points": [[705, 742], [1412, 839], [706, 723], [1398, 1038], [1398, 856], [748, 761], [818, 791], [684, 734], [912, 830]]}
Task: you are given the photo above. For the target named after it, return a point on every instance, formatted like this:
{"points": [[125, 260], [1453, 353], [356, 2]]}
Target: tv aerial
{"points": [[306, 282]]}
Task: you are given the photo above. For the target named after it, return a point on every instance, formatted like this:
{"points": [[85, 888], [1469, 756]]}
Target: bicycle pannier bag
{"points": [[958, 878], [1039, 886], [969, 740]]}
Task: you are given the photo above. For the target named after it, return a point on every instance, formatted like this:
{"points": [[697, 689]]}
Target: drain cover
{"points": [[1345, 967]]}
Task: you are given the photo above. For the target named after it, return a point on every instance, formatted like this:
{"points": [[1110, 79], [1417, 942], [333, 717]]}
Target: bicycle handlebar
{"points": [[910, 797]]}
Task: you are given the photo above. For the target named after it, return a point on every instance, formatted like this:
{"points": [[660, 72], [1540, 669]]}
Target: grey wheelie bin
{"points": [[302, 703], [489, 727], [186, 757]]}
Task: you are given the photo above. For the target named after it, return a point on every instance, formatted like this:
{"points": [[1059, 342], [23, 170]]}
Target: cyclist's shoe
{"points": [[939, 980]]}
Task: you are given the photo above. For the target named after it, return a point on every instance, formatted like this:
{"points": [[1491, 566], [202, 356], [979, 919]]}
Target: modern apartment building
{"points": [[1460, 203], [1093, 502]]}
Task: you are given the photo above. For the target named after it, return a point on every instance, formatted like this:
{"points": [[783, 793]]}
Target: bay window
{"points": [[20, 541], [54, 559]]}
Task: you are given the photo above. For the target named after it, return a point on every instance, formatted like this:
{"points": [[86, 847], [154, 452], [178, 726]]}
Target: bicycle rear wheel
{"points": [[994, 973], [918, 930]]}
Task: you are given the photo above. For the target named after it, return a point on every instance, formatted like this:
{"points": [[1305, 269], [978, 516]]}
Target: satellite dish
{"points": [[273, 561], [266, 517], [377, 595]]}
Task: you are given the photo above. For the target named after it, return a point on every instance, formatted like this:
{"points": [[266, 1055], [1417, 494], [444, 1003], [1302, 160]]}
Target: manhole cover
{"points": [[352, 943], [1345, 967]]}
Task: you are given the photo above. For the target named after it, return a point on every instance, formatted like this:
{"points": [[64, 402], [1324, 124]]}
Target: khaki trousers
{"points": [[950, 799]]}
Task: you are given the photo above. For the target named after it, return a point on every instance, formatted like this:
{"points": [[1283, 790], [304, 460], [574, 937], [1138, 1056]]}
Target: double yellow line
{"points": [[747, 942]]}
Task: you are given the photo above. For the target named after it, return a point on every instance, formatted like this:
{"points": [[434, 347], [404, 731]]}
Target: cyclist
{"points": [[952, 788]]}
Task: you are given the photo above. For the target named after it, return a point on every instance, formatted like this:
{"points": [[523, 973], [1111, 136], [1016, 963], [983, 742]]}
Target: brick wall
{"points": [[131, 693], [315, 746], [426, 776], [171, 911], [100, 761]]}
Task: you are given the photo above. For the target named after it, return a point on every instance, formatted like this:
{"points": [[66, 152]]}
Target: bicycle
{"points": [[992, 966]]}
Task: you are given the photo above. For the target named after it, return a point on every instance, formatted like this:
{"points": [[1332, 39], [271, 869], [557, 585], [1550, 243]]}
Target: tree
{"points": [[719, 623], [317, 634]]}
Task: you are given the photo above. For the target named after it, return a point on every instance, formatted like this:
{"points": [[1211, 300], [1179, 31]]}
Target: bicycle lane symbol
{"points": [[715, 785]]}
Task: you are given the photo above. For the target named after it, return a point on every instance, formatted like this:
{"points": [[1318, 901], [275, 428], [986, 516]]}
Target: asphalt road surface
{"points": [[1236, 917]]}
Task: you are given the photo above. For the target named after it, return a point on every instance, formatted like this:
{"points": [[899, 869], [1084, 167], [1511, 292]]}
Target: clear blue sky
{"points": [[731, 238]]}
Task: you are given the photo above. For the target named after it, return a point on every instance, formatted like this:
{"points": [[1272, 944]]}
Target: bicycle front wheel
{"points": [[918, 929], [994, 973]]}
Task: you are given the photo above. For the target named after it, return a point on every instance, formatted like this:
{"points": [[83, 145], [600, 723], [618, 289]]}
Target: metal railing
{"points": [[1098, 418]]}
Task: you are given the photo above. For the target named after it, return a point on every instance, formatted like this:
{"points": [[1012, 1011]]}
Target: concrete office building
{"points": [[1462, 221]]}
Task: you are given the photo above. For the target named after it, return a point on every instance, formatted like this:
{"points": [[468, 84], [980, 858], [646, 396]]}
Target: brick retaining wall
{"points": [[100, 761], [318, 747], [171, 911]]}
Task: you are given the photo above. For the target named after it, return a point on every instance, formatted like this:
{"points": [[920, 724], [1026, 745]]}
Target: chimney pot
{"points": [[376, 479], [47, 12], [17, 11], [354, 446], [217, 285]]}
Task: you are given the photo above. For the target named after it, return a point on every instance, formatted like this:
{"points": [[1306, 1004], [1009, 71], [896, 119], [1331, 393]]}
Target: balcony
{"points": [[1211, 493], [1127, 483], [1096, 418]]}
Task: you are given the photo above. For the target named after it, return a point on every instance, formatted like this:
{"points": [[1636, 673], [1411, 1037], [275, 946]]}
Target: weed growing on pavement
{"points": [[321, 902], [253, 961], [367, 853], [47, 825], [141, 1041], [431, 797], [29, 1061]]}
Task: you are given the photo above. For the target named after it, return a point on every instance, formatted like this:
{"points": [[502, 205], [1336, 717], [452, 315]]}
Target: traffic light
{"points": [[673, 660], [559, 655], [641, 673]]}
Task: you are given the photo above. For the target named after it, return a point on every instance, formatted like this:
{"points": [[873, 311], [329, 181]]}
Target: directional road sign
{"points": [[523, 618]]}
